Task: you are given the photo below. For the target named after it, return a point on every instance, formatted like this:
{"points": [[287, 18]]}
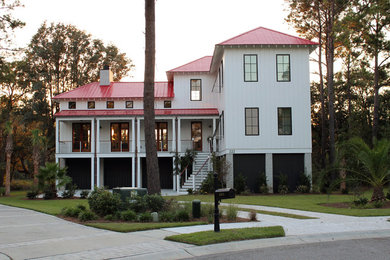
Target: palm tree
{"points": [[152, 170], [9, 147], [369, 165], [52, 176]]}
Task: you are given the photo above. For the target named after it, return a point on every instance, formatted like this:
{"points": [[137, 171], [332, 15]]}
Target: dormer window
{"points": [[129, 104], [167, 104], [91, 104], [110, 104], [72, 105]]}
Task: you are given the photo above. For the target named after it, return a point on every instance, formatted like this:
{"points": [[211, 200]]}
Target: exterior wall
{"points": [[118, 104], [267, 94]]}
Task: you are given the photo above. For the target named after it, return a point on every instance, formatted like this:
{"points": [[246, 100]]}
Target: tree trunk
{"points": [[153, 175], [378, 194], [8, 151], [329, 65], [375, 122], [36, 159]]}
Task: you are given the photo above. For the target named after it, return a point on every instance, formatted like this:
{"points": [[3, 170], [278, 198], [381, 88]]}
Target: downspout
{"points": [[95, 152]]}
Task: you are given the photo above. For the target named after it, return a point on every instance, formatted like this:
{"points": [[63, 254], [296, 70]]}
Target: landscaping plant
{"points": [[102, 202], [51, 177]]}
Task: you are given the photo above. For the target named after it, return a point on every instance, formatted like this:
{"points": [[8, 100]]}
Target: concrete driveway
{"points": [[26, 234]]}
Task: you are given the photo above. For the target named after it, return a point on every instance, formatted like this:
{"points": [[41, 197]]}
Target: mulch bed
{"points": [[347, 205]]}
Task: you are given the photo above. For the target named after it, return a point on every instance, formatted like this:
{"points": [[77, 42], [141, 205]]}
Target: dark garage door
{"points": [[117, 172], [79, 169], [250, 166], [289, 164], [166, 170]]}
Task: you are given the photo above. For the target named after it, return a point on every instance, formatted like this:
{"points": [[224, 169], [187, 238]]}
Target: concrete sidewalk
{"points": [[26, 234]]}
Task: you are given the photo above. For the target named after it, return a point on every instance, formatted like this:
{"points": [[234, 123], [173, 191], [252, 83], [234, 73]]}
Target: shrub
{"points": [[263, 189], [69, 193], [71, 212], [87, 215], [283, 189], [109, 217], [207, 184], [207, 209], [145, 217], [302, 189], [388, 195], [231, 212], [239, 183], [138, 204], [182, 215], [167, 216], [360, 202], [304, 180], [32, 194], [84, 194], [154, 202], [128, 215], [21, 184], [102, 202], [246, 192], [378, 204], [49, 193], [345, 191], [190, 191], [2, 191], [253, 215], [82, 207]]}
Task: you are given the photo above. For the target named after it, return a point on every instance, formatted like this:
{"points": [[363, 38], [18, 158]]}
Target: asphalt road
{"points": [[357, 249]]}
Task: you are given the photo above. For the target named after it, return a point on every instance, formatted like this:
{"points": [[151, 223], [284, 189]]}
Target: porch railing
{"points": [[107, 147]]}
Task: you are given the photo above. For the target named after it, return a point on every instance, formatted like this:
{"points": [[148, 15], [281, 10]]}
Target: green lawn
{"points": [[226, 235], [308, 202], [52, 207], [131, 227]]}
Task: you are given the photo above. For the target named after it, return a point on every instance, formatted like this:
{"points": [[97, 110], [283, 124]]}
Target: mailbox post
{"points": [[220, 194]]}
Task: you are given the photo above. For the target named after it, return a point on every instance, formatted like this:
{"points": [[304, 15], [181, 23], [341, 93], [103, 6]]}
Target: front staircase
{"points": [[200, 170]]}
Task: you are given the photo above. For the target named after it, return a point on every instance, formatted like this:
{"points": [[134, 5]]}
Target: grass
{"points": [[307, 202], [132, 227], [273, 213], [227, 235], [52, 207]]}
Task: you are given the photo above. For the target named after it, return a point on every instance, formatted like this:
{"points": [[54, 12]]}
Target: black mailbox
{"points": [[225, 193]]}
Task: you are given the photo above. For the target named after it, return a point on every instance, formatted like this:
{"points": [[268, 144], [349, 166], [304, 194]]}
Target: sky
{"points": [[185, 29]]}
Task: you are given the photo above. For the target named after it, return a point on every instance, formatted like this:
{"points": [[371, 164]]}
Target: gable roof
{"points": [[264, 36], [199, 65], [117, 90]]}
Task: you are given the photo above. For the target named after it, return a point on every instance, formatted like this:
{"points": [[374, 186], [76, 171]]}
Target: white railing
{"points": [[107, 147], [70, 147], [167, 146]]}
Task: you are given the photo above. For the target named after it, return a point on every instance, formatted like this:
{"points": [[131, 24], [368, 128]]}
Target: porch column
{"points": [[174, 175], [98, 168], [214, 137], [57, 135], [269, 172], [307, 162], [133, 171], [173, 135], [178, 135], [133, 135], [93, 135], [92, 173], [138, 134], [98, 139], [139, 183], [230, 173]]}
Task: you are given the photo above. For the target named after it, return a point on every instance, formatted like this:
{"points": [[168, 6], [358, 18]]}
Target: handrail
{"points": [[180, 174], [202, 166]]}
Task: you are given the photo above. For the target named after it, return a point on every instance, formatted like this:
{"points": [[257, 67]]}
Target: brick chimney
{"points": [[105, 76]]}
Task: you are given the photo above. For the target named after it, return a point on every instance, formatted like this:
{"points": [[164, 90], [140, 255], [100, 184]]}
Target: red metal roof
{"points": [[261, 35], [138, 112], [117, 90], [199, 65]]}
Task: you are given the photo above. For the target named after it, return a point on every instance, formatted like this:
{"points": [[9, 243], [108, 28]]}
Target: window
{"points": [[81, 137], [252, 121], [284, 121], [196, 89], [220, 76], [119, 137], [167, 104], [91, 104], [110, 104], [283, 67], [250, 67], [129, 104], [72, 105]]}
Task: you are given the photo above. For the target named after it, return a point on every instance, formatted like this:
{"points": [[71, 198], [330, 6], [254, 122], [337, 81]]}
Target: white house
{"points": [[250, 102]]}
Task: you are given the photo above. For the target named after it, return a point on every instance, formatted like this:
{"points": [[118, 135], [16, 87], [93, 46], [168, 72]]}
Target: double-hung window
{"points": [[196, 89], [283, 68], [250, 67], [284, 121], [252, 121]]}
